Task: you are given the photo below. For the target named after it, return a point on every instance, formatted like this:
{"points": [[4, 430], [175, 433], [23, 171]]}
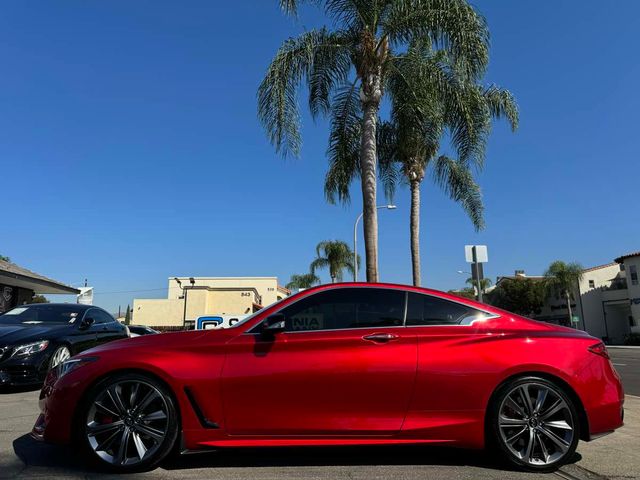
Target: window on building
{"points": [[345, 308], [622, 267], [592, 284], [633, 273], [429, 310]]}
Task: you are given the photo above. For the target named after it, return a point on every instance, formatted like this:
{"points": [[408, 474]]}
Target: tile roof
{"points": [[599, 267], [628, 255], [12, 270]]}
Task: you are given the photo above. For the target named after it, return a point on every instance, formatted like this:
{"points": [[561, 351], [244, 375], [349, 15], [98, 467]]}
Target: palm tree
{"points": [[5, 259], [346, 71], [484, 283], [563, 277], [336, 256], [305, 280], [430, 97]]}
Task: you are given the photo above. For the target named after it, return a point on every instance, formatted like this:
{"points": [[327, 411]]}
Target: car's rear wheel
{"points": [[534, 423], [128, 423]]}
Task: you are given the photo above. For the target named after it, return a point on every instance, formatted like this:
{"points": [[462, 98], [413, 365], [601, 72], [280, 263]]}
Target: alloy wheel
{"points": [[536, 424], [127, 422], [59, 356]]}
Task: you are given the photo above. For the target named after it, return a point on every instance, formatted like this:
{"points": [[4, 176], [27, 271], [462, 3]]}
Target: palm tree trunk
{"points": [[370, 96], [415, 231], [569, 309]]}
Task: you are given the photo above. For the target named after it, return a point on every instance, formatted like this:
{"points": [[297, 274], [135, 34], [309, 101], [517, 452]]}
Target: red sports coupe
{"points": [[344, 364]]}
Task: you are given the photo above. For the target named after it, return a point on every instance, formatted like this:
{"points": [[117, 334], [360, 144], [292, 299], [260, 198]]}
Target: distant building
{"points": [[606, 300], [191, 297], [18, 285]]}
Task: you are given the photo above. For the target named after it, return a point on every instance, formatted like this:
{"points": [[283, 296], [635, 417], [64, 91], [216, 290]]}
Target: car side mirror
{"points": [[86, 323], [275, 323]]}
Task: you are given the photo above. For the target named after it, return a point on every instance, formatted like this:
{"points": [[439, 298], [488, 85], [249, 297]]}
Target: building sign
{"points": [[86, 296]]}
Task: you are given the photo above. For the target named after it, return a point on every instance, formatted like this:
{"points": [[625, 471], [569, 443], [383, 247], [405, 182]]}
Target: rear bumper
{"points": [[603, 398]]}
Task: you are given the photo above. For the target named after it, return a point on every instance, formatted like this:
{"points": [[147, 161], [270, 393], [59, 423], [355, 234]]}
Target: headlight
{"points": [[73, 363], [30, 348]]}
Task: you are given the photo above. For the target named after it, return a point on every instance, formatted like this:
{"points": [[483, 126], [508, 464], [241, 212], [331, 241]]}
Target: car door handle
{"points": [[381, 337]]}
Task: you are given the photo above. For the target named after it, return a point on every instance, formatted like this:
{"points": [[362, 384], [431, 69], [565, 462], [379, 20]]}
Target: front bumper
{"points": [[24, 371]]}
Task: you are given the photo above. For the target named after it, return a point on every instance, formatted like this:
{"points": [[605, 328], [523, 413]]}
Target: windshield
{"points": [[39, 314]]}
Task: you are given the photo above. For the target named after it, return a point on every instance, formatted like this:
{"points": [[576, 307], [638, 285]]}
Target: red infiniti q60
{"points": [[344, 364]]}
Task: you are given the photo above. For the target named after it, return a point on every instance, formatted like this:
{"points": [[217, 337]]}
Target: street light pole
{"points": [[355, 239]]}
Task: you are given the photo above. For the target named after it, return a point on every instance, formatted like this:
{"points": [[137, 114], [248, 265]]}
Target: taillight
{"points": [[599, 349]]}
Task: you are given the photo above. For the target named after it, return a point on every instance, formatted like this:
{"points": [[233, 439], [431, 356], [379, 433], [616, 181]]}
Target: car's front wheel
{"points": [[534, 423], [128, 423]]}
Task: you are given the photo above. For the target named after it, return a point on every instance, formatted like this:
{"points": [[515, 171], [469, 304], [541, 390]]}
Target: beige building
{"points": [[606, 300], [191, 297]]}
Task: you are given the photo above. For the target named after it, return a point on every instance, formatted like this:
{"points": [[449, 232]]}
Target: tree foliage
{"points": [[469, 293], [484, 283], [127, 316], [345, 70], [5, 259], [305, 280], [39, 299], [563, 277], [523, 296], [336, 256]]}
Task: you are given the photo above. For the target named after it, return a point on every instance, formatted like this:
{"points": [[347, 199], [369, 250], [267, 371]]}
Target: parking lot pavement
{"points": [[22, 457], [626, 360]]}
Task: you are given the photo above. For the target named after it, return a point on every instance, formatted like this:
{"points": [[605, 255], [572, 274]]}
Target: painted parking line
{"points": [[619, 364]]}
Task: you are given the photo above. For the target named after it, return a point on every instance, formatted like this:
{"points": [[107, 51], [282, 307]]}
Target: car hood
{"points": [[17, 334], [164, 341]]}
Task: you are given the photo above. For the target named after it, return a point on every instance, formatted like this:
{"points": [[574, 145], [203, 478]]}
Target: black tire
{"points": [[554, 437], [130, 424]]}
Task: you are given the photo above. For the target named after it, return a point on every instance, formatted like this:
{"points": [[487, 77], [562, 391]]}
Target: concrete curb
{"points": [[631, 347]]}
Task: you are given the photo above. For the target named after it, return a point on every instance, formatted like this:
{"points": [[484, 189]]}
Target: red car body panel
{"points": [[432, 384]]}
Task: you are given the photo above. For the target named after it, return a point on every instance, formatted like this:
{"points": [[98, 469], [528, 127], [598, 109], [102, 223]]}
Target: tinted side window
{"points": [[430, 310], [346, 308], [99, 316]]}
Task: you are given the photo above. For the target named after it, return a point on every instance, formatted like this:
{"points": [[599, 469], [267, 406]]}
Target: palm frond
{"points": [[458, 183], [453, 25], [502, 103], [305, 280], [317, 264], [307, 56], [344, 144]]}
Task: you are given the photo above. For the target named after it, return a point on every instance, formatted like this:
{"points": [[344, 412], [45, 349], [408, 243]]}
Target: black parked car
{"points": [[35, 338]]}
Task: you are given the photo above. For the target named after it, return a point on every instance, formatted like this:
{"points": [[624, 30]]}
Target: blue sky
{"points": [[130, 149]]}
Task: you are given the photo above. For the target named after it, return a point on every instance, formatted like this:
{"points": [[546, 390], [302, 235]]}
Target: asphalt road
{"points": [[627, 363]]}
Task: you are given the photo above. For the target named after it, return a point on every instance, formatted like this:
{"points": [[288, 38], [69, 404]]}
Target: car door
{"points": [[446, 401], [344, 366], [106, 327]]}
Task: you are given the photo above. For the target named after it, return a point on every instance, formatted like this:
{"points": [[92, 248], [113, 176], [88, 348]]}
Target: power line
{"points": [[130, 291]]}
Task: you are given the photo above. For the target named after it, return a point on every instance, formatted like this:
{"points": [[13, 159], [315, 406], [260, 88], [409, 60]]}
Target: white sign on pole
{"points": [[86, 296], [482, 255]]}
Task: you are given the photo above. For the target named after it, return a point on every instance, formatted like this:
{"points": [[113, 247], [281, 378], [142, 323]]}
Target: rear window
{"points": [[430, 310]]}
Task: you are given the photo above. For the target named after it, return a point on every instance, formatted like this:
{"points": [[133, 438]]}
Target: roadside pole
{"points": [[476, 255]]}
